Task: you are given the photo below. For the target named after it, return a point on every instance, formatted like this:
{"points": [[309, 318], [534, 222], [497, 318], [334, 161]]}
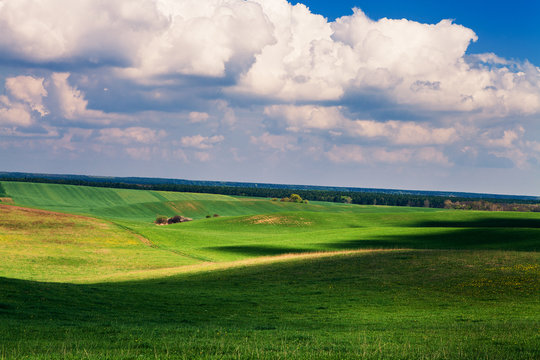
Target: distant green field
{"points": [[263, 280], [260, 227]]}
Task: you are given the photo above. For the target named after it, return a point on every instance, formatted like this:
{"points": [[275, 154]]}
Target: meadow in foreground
{"points": [[449, 284]]}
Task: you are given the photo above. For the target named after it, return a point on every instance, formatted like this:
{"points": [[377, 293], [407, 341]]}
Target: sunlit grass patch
{"points": [[372, 305], [43, 245]]}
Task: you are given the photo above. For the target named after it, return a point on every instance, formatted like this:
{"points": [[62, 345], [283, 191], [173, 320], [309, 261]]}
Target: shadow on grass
{"points": [[258, 250], [491, 222], [474, 238]]}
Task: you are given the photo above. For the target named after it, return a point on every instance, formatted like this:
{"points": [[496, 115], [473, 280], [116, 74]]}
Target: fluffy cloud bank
{"points": [[173, 79], [374, 155], [308, 118], [24, 94], [273, 50], [142, 37]]}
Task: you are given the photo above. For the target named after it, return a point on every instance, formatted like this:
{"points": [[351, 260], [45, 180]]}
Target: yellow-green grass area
{"points": [[264, 280], [266, 228], [47, 246], [395, 304], [238, 238]]}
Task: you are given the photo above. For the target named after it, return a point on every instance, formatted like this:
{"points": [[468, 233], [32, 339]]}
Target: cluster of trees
{"points": [[2, 191], [351, 197], [293, 198], [163, 220], [490, 206]]}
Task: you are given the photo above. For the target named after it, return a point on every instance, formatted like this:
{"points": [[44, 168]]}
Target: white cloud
{"points": [[85, 31], [139, 153], [299, 118], [204, 37], [274, 50], [411, 63], [304, 63], [29, 90], [506, 141], [14, 114], [24, 95], [279, 142], [197, 117], [201, 142], [404, 132], [309, 117], [227, 114], [378, 155], [142, 37], [131, 134], [72, 104]]}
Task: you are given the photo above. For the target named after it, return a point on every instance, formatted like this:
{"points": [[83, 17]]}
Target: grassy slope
{"points": [[279, 228], [470, 302], [144, 206], [400, 305], [41, 245]]}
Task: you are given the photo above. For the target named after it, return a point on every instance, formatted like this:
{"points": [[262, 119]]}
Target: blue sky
{"points": [[411, 95]]}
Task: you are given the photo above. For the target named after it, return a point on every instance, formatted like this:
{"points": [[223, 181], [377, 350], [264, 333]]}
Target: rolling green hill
{"points": [[250, 228], [374, 305], [264, 280]]}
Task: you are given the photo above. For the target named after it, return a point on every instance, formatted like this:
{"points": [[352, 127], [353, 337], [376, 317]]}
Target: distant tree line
{"points": [[350, 197], [490, 206], [291, 188]]}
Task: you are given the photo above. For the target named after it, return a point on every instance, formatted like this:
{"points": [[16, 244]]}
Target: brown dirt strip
{"points": [[48, 213]]}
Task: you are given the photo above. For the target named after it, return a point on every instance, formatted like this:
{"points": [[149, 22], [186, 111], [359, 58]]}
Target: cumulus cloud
{"points": [[299, 118], [309, 117], [266, 75], [87, 31], [129, 135], [14, 114], [203, 38], [506, 141], [404, 133], [378, 155], [29, 90], [201, 142], [278, 142], [29, 98], [197, 117], [143, 37], [72, 104], [291, 54], [140, 153], [227, 114], [409, 62], [24, 95]]}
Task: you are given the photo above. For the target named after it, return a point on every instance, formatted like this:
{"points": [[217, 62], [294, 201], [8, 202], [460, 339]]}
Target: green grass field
{"points": [[265, 280]]}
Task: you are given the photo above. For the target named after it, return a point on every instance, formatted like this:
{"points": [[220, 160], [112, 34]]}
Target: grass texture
{"points": [[265, 280]]}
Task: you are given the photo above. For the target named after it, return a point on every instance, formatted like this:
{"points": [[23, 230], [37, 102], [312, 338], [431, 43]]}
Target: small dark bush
{"points": [[208, 216], [160, 220], [175, 219]]}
